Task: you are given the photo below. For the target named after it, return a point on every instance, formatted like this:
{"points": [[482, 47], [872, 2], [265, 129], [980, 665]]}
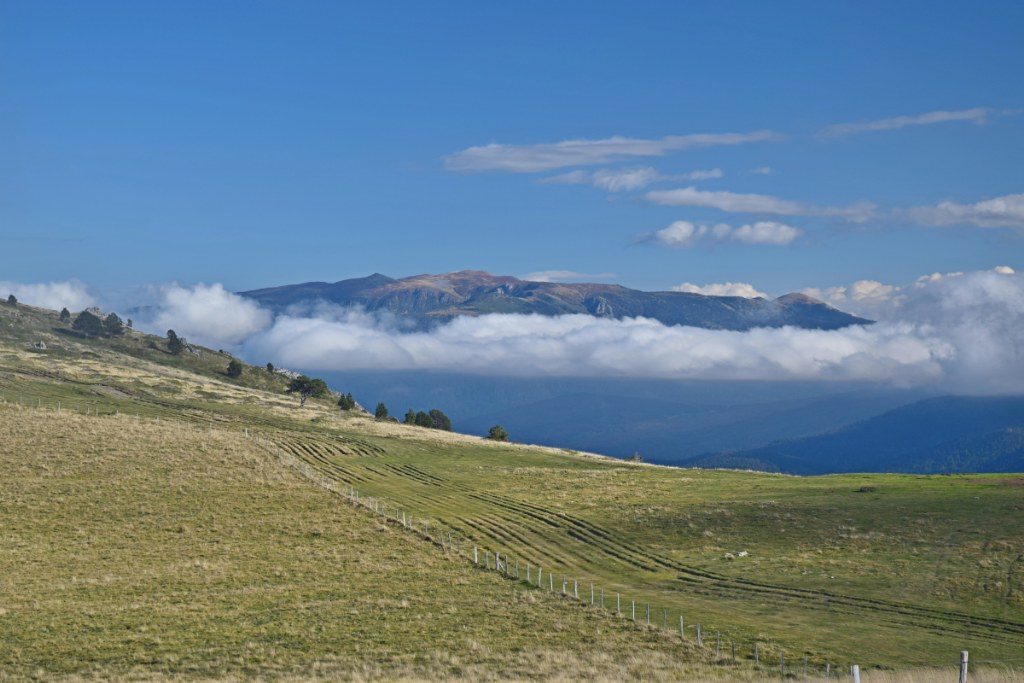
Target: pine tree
{"points": [[175, 344], [423, 420], [270, 367], [439, 420], [381, 413], [113, 326], [410, 417], [12, 300], [88, 324], [65, 315]]}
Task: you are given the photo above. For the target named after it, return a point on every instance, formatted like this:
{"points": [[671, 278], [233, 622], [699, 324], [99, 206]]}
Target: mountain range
{"points": [[936, 435], [433, 299]]}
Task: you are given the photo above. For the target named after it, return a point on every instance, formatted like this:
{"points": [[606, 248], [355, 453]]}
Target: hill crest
{"points": [[436, 298]]}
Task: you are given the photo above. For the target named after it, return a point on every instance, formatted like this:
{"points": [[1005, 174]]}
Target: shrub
{"points": [[346, 402], [234, 368], [497, 433], [65, 315], [12, 300], [381, 413], [410, 417]]}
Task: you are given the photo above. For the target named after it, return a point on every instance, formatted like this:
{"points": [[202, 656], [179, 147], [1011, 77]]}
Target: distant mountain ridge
{"points": [[937, 435], [431, 299]]}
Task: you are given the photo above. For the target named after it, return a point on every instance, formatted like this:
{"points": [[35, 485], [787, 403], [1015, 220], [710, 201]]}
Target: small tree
{"points": [[307, 386], [234, 369], [410, 417], [270, 367], [88, 324], [65, 315], [381, 413], [346, 402], [12, 300], [113, 326], [497, 433], [423, 420], [440, 421], [128, 323], [175, 344]]}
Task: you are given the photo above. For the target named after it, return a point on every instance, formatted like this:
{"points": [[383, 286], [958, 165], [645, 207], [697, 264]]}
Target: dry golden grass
{"points": [[140, 550]]}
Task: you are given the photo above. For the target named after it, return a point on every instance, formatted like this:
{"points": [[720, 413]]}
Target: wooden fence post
{"points": [[648, 614], [700, 641], [682, 627], [757, 655], [618, 604], [963, 666], [855, 673]]}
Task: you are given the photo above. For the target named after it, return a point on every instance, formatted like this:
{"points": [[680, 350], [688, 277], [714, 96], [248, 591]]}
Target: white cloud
{"points": [[722, 289], [627, 179], [975, 115], [687, 234], [548, 156], [1001, 212], [581, 345], [762, 170], [565, 276], [734, 202], [963, 333], [1004, 270], [765, 232], [709, 174], [55, 295], [208, 315]]}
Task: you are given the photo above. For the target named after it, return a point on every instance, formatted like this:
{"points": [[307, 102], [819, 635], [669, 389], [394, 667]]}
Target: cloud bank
{"points": [[963, 332], [549, 156], [56, 295], [209, 315]]}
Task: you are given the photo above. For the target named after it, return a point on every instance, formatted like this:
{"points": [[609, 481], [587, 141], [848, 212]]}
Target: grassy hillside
{"points": [[146, 535]]}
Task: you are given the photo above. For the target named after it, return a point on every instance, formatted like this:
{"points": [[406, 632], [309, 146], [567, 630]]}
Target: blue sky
{"points": [[263, 143]]}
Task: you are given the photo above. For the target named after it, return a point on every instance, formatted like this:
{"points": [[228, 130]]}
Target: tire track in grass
{"points": [[592, 536]]}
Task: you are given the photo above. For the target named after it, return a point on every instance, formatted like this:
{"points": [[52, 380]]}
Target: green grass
{"points": [[145, 550], [882, 570]]}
